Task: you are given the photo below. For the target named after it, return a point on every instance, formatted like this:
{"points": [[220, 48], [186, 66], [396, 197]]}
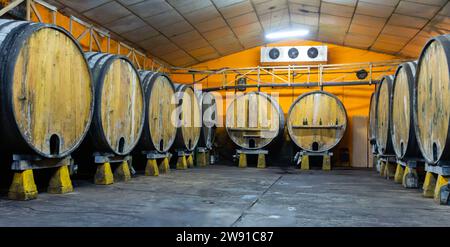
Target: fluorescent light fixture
{"points": [[287, 34]]}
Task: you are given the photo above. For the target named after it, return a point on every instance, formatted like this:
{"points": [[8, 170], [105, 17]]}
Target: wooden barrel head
{"points": [[254, 120], [317, 121], [52, 90], [383, 106], [431, 100], [188, 134], [122, 106], [160, 109], [401, 112]]}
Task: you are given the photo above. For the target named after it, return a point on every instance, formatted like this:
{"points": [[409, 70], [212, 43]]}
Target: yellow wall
{"points": [[355, 98]]}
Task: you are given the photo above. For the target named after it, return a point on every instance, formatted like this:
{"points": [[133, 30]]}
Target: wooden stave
{"points": [[298, 100], [412, 151], [206, 140], [389, 150], [145, 143], [180, 143], [13, 139], [99, 62], [445, 43], [278, 138]]}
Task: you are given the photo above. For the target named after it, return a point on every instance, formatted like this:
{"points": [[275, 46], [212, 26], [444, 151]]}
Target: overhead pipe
{"points": [[310, 84]]}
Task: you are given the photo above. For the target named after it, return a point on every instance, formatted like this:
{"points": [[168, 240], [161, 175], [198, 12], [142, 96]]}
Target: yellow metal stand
{"points": [[390, 170], [201, 159], [326, 163], [208, 158], [60, 182], [164, 166], [190, 161], [429, 185], [305, 163], [242, 160], [410, 178], [441, 183], [182, 163], [23, 187], [151, 169], [122, 172], [399, 172], [383, 168], [104, 175], [261, 161]]}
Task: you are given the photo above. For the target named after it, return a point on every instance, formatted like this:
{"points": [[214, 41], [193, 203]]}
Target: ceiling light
{"points": [[287, 34]]}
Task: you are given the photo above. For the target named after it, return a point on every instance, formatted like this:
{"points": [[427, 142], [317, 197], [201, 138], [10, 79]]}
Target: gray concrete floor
{"points": [[229, 196]]}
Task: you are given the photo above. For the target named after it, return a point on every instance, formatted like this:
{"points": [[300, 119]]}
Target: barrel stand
{"points": [[23, 186], [202, 158], [302, 158], [242, 155], [387, 166], [104, 174], [406, 174], [436, 184], [185, 160], [152, 167]]}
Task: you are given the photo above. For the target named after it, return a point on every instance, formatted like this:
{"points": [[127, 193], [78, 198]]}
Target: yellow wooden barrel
{"points": [[382, 125], [209, 119], [254, 120], [317, 121], [159, 131], [119, 104], [46, 89], [431, 108], [189, 118], [402, 123]]}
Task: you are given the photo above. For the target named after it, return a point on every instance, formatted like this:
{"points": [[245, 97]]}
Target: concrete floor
{"points": [[229, 196]]}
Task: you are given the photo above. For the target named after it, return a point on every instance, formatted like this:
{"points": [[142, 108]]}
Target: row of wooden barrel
{"points": [[316, 121], [53, 96], [410, 111]]}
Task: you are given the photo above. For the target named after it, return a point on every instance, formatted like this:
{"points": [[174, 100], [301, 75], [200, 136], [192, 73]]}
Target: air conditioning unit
{"points": [[294, 54]]}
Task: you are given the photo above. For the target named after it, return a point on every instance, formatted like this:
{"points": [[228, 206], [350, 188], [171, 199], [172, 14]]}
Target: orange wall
{"points": [[355, 98]]}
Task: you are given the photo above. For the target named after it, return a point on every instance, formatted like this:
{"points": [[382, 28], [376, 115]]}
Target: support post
{"points": [[122, 172], [190, 161], [60, 182], [181, 162], [23, 187], [441, 192], [151, 169], [164, 166], [429, 185], [410, 178], [304, 165], [242, 160], [261, 161], [399, 171], [201, 159], [326, 163], [104, 175]]}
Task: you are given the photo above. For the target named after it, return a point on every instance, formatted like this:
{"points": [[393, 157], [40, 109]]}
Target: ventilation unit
{"points": [[294, 54]]}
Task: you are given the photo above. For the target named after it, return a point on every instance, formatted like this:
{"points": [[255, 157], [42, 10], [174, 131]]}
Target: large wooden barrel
{"points": [[254, 120], [209, 114], [383, 107], [431, 100], [317, 121], [371, 132], [401, 119], [189, 117], [159, 131], [119, 104], [46, 90]]}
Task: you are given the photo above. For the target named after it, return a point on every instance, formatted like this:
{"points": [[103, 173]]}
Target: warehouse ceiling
{"points": [[186, 32]]}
